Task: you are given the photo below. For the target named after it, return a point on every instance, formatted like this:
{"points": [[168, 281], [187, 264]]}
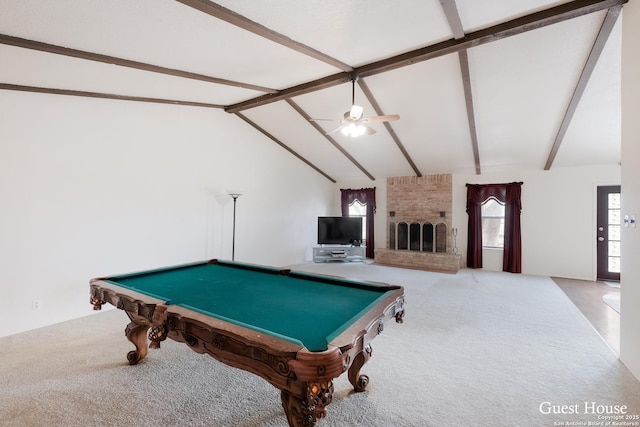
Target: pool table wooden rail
{"points": [[304, 377]]}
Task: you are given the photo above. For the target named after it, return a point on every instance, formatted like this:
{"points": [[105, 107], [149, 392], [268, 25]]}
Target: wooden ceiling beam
{"points": [[91, 56], [283, 145], [301, 89], [598, 46], [374, 103], [233, 18], [471, 117], [516, 26], [526, 23], [453, 17], [51, 91], [329, 138]]}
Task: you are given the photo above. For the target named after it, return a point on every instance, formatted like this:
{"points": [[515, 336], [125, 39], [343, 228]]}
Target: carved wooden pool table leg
{"points": [[137, 334], [305, 412], [358, 381], [157, 334]]}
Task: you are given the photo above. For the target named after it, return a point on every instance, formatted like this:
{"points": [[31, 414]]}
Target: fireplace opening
{"points": [[418, 237], [427, 237], [414, 237], [403, 237]]}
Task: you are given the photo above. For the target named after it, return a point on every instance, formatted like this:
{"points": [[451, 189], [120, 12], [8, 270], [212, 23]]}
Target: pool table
{"points": [[296, 330]]}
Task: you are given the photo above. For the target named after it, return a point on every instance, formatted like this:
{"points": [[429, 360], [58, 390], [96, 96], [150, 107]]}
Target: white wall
{"points": [[558, 218], [630, 278], [95, 187]]}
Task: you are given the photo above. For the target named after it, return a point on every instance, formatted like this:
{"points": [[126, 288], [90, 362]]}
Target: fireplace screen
{"points": [[418, 237]]}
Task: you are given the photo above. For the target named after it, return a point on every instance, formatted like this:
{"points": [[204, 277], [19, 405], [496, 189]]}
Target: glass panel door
{"points": [[608, 233]]}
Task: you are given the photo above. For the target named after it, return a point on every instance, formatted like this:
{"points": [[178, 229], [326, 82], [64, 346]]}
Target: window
{"points": [[492, 224], [357, 209]]}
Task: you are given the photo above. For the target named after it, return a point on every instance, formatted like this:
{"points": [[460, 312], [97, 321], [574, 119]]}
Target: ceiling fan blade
{"points": [[370, 130], [334, 130], [378, 119], [325, 120]]}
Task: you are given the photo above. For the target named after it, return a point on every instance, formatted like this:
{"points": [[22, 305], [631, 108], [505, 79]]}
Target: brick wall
{"points": [[425, 199]]}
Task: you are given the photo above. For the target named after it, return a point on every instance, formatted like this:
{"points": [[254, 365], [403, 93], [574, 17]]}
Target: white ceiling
{"points": [[521, 86]]}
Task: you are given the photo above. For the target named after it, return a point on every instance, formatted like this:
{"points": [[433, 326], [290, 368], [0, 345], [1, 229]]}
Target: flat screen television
{"points": [[339, 230]]}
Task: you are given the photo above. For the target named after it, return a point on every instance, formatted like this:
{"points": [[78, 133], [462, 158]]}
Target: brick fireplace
{"points": [[419, 224]]}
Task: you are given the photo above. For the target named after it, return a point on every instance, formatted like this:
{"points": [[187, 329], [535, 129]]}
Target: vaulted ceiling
{"points": [[480, 86]]}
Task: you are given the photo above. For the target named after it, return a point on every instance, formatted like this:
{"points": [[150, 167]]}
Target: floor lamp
{"points": [[235, 196]]}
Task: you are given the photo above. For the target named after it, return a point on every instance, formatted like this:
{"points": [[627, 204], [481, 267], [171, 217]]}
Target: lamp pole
{"points": [[233, 238]]}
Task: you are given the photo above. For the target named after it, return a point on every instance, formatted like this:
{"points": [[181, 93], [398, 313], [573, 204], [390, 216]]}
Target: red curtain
{"points": [[366, 196], [512, 258], [510, 195]]}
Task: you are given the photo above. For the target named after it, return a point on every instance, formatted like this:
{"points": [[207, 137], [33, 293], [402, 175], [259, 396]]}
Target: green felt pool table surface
{"points": [[296, 330], [302, 308]]}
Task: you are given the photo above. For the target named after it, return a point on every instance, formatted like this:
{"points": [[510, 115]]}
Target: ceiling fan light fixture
{"points": [[359, 131], [354, 124], [356, 112], [353, 130]]}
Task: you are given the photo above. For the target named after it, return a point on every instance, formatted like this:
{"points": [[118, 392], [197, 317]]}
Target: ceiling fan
{"points": [[353, 123]]}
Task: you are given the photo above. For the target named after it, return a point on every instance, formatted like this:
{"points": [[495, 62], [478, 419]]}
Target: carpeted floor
{"points": [[476, 349]]}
